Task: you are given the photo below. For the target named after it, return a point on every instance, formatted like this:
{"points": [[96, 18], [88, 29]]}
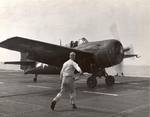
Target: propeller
{"points": [[129, 52], [129, 49], [114, 30], [115, 33]]}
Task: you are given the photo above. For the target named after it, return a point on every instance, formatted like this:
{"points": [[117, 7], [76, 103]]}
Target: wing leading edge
{"points": [[43, 52]]}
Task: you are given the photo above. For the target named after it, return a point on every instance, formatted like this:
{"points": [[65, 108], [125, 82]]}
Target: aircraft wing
{"points": [[44, 52]]}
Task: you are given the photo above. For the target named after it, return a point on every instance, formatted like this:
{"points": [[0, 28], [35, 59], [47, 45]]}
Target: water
{"points": [[140, 71], [128, 70]]}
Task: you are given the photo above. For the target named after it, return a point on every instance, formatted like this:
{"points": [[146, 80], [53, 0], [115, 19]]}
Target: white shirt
{"points": [[69, 67]]}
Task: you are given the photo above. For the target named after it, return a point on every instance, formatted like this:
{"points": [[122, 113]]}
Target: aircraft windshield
{"points": [[82, 41], [79, 42]]}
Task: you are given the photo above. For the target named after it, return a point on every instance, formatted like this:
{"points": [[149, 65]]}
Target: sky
{"points": [[54, 20]]}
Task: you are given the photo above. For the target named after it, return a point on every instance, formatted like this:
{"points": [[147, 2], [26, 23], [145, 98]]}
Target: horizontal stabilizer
{"points": [[21, 62]]}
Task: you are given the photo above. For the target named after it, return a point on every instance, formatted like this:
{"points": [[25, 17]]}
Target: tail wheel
{"points": [[34, 79], [91, 82], [110, 80]]}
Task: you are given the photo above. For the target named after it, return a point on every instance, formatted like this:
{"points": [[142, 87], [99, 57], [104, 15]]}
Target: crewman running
{"points": [[67, 84]]}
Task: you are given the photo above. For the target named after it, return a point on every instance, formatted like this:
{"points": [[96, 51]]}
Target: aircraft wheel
{"points": [[91, 82], [34, 79], [110, 80]]}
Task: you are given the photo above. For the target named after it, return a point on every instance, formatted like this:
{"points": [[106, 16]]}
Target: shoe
{"points": [[53, 105], [74, 106]]}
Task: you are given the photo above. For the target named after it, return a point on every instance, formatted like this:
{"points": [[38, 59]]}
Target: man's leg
{"points": [[72, 100], [58, 96], [73, 96], [56, 99]]}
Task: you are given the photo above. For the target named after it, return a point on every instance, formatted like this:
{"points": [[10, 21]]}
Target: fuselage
{"points": [[106, 53]]}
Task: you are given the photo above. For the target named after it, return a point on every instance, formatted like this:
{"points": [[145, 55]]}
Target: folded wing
{"points": [[44, 52]]}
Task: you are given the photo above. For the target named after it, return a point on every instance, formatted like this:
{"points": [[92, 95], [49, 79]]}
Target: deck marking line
{"points": [[130, 110], [1, 82], [34, 86], [100, 93]]}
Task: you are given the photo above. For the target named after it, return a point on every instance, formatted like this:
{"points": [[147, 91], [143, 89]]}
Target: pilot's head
{"points": [[72, 55]]}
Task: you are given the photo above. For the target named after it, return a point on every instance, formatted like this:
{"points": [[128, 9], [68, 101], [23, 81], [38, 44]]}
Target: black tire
{"points": [[91, 82], [110, 80]]}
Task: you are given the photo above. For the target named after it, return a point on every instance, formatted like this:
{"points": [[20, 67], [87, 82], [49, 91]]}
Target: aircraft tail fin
{"points": [[26, 63]]}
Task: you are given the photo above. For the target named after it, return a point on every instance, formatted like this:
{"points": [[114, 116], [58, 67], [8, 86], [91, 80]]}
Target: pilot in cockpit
{"points": [[79, 42]]}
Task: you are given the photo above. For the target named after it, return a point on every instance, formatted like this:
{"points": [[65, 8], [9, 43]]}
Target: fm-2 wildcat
{"points": [[92, 57]]}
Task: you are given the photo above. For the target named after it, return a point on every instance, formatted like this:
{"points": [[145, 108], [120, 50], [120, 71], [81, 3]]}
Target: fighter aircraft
{"points": [[92, 57]]}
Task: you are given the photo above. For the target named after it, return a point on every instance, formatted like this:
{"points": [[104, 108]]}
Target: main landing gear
{"points": [[92, 81]]}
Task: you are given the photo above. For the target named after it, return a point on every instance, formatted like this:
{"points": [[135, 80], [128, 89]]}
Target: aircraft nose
{"points": [[118, 48], [118, 51]]}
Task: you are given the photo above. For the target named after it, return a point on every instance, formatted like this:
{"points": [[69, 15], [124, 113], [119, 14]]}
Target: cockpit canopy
{"points": [[82, 41], [79, 42]]}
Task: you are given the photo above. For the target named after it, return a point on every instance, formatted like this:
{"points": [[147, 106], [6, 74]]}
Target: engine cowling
{"points": [[110, 53]]}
